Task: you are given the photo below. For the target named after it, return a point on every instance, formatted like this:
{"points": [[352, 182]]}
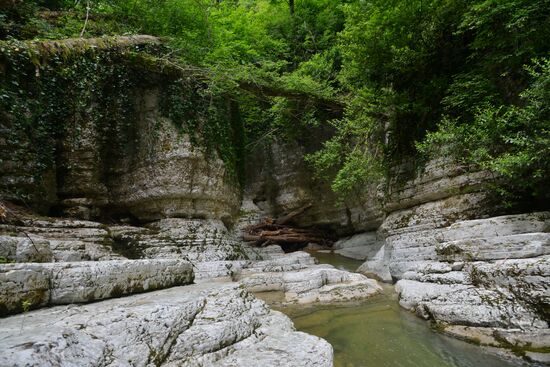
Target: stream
{"points": [[378, 333]]}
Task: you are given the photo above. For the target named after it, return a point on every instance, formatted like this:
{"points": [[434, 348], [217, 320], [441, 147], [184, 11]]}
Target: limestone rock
{"points": [[199, 325], [504, 225], [166, 175], [528, 280], [526, 342], [143, 166], [495, 248], [487, 281], [439, 179], [377, 266], [38, 285], [302, 282], [361, 246], [279, 181], [504, 237], [466, 305], [25, 249], [413, 234], [220, 270], [193, 239], [67, 239]]}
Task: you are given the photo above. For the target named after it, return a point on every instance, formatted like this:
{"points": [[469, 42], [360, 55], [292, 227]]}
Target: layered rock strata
{"points": [[208, 324], [302, 282], [55, 239], [279, 181], [62, 240], [133, 161], [489, 283], [33, 285], [193, 239], [199, 325]]}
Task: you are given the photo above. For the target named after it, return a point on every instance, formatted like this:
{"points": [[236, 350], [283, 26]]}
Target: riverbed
{"points": [[378, 333]]}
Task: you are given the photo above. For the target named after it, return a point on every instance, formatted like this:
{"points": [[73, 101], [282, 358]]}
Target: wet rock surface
{"points": [[491, 284], [306, 283]]}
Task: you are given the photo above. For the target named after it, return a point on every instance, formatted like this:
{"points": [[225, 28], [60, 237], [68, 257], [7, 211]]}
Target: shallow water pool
{"points": [[378, 333]]}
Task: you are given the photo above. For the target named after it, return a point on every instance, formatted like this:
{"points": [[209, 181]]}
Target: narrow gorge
{"points": [[129, 183]]}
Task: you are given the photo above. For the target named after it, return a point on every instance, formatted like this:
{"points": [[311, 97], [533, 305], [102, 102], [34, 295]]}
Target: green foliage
{"points": [[512, 141], [26, 305], [354, 156], [4, 260], [47, 97], [44, 97], [413, 64], [441, 72], [18, 21]]}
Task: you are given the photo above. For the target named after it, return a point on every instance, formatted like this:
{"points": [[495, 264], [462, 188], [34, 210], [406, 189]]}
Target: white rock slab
{"points": [[200, 325]]}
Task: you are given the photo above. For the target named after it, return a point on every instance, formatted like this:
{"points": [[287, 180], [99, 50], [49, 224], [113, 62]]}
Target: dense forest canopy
{"points": [[415, 78]]}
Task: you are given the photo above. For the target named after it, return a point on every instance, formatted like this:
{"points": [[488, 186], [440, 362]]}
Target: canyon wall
{"points": [[436, 230], [116, 153]]}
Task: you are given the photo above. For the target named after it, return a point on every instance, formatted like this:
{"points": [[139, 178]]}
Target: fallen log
{"points": [[287, 239], [287, 218], [278, 231], [275, 224]]}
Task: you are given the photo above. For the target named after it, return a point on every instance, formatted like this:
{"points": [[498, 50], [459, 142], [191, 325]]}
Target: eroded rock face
{"points": [[504, 237], [279, 181], [201, 325], [478, 277], [489, 283], [69, 240], [296, 276], [494, 304], [410, 237], [406, 216], [32, 285], [60, 240], [165, 175], [411, 234], [24, 249], [360, 246], [192, 239], [145, 168], [439, 179]]}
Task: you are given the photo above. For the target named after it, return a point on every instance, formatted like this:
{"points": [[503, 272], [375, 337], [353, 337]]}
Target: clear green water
{"points": [[378, 333]]}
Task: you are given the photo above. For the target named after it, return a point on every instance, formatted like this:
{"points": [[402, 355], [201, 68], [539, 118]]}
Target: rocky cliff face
{"points": [[488, 283], [114, 153], [279, 181], [394, 226], [156, 173]]}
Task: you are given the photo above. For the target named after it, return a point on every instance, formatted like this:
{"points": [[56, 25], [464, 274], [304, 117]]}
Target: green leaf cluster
{"points": [[415, 77]]}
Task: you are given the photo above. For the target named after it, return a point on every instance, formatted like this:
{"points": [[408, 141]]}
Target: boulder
{"points": [[361, 246], [303, 282], [33, 285], [25, 249]]}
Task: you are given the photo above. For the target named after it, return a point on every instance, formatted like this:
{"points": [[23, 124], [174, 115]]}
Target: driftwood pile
{"points": [[278, 231]]}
